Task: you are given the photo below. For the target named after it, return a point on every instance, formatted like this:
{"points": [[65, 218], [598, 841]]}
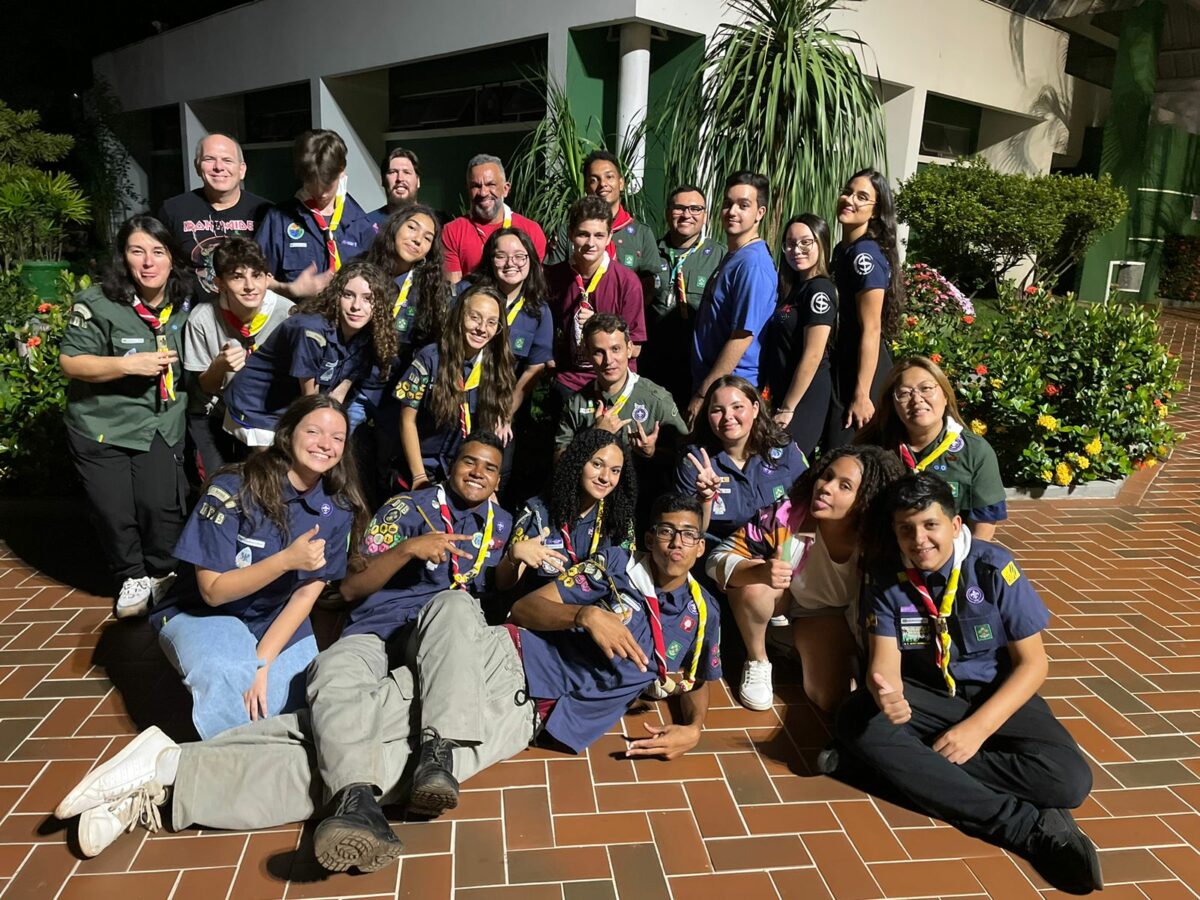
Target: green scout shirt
{"points": [[698, 269], [970, 467], [635, 247], [126, 412], [648, 404]]}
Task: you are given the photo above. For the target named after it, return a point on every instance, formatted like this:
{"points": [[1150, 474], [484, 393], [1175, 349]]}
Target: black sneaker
{"points": [[828, 760], [357, 835], [435, 789], [1064, 855]]}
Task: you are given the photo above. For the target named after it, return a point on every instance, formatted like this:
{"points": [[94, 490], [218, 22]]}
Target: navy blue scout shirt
{"points": [[220, 536], [291, 240], [536, 515], [409, 590], [995, 604], [591, 692], [740, 296], [530, 338], [765, 479], [858, 266], [439, 442], [306, 345]]}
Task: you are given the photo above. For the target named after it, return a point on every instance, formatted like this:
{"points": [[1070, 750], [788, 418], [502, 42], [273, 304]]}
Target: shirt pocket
{"points": [[981, 635], [124, 341]]}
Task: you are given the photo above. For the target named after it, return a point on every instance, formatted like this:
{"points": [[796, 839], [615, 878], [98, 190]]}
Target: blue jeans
{"points": [[217, 657]]}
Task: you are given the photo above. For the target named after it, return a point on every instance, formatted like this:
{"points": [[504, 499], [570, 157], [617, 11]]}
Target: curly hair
{"points": [[567, 496], [882, 229], [264, 475], [886, 428], [879, 469], [534, 289], [430, 291], [117, 283], [588, 209], [499, 369], [765, 435], [383, 332]]}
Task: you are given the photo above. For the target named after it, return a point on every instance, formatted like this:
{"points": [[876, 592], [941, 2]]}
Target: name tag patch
{"points": [[916, 632]]}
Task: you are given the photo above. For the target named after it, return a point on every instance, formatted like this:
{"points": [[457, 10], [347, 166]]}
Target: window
{"points": [[950, 128], [278, 114]]}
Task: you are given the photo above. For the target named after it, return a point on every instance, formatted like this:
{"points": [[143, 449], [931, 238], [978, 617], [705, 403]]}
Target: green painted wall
{"points": [[269, 172], [444, 164], [670, 60]]}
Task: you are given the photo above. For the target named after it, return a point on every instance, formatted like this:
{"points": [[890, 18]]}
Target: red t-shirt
{"points": [[463, 241], [619, 292]]}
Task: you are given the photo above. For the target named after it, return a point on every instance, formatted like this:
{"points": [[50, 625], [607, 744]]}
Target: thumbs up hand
{"points": [[307, 552]]}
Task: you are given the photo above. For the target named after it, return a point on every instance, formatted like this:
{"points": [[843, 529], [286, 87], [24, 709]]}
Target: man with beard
{"points": [[464, 237], [401, 182]]}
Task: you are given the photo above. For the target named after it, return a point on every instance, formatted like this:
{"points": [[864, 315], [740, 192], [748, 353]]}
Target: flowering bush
{"points": [[1065, 393], [928, 293], [1181, 269], [33, 395]]}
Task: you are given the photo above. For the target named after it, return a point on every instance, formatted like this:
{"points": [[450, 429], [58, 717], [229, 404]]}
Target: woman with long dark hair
{"points": [[463, 382], [794, 365], [267, 536], [866, 268], [589, 506], [329, 346], [126, 406], [739, 460]]}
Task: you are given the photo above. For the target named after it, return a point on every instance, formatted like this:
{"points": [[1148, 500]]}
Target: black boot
{"points": [[357, 835], [1062, 854], [435, 789]]}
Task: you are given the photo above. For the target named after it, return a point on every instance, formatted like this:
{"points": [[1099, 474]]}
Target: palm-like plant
{"points": [[778, 93]]}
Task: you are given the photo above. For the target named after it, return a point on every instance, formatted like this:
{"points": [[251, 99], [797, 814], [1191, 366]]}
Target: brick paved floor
{"points": [[742, 816]]}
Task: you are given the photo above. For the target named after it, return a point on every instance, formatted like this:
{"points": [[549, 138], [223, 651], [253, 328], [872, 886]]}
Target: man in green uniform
{"points": [[687, 260]]}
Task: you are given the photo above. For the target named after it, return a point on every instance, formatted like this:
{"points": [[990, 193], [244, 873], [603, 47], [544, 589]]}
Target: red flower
{"points": [[911, 321], [935, 358], [1053, 390], [1158, 403], [968, 320], [45, 307], [981, 369], [1032, 289], [36, 341], [1129, 387]]}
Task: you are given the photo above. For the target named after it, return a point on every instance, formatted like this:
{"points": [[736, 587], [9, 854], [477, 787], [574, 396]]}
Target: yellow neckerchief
{"points": [[597, 525], [619, 404], [953, 431], [458, 579], [339, 206], [638, 571], [261, 318], [471, 383], [514, 309], [679, 280], [941, 614], [402, 297], [586, 293]]}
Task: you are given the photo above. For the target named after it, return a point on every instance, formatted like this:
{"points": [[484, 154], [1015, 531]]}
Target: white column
{"points": [[356, 108], [633, 88], [904, 114]]}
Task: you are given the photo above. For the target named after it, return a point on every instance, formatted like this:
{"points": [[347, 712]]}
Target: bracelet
{"points": [[578, 613]]}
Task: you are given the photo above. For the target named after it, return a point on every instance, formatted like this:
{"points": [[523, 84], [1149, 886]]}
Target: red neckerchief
{"points": [[655, 617], [330, 246], [620, 220], [147, 315]]}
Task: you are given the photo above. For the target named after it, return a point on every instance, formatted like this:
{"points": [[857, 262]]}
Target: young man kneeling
{"points": [[579, 652], [950, 714]]}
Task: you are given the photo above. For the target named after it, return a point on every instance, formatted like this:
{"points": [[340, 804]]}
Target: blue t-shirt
{"points": [[220, 535], [743, 492], [409, 590], [739, 297], [439, 441], [591, 691], [306, 345], [995, 604], [291, 240]]}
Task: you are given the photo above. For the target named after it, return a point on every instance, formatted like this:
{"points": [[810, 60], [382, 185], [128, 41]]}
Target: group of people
{"points": [[315, 362]]}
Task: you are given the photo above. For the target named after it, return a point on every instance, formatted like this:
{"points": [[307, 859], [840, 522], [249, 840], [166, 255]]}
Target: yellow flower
{"points": [[997, 383], [1151, 462], [1082, 461], [1161, 450], [1162, 411], [978, 427], [1094, 448], [1047, 476], [1048, 422], [1063, 473]]}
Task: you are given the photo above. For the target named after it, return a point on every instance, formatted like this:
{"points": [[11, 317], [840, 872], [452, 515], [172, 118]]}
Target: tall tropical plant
{"points": [[547, 169], [782, 94]]}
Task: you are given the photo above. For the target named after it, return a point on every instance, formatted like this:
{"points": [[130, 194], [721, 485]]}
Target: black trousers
{"points": [[845, 378], [138, 500], [809, 419], [1031, 763], [215, 446]]}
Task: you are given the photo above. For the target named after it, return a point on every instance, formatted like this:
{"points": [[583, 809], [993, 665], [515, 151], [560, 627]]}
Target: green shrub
{"points": [[33, 395], [974, 223], [1065, 393], [1181, 269]]}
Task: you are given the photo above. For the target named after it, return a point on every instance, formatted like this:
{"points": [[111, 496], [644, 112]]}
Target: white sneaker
{"points": [[101, 825], [135, 596], [779, 621], [133, 767], [755, 691], [160, 586]]}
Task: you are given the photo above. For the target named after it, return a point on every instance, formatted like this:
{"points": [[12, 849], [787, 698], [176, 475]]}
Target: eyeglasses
{"points": [[666, 534], [805, 245], [927, 392], [860, 199], [475, 320], [517, 259], [680, 209]]}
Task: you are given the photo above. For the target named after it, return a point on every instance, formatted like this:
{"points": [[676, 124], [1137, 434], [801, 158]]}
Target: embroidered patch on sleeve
{"points": [[1010, 573]]}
